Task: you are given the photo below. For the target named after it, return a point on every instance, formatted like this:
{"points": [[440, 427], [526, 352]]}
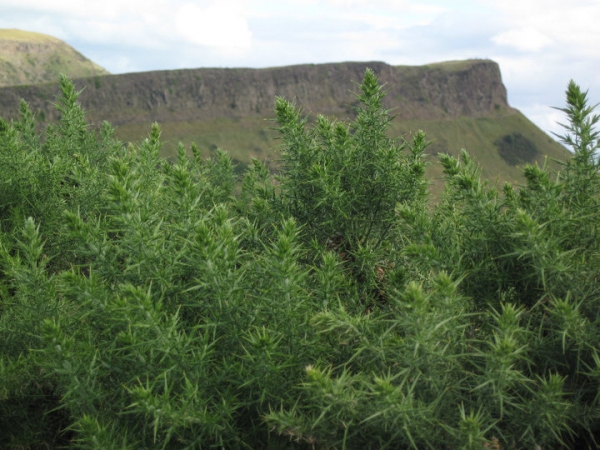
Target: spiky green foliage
{"points": [[149, 304], [342, 182]]}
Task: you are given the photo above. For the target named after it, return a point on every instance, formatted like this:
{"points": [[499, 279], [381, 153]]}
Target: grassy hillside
{"points": [[253, 137], [32, 58], [480, 136]]}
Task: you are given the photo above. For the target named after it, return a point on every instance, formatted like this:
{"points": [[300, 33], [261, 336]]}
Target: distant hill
{"points": [[459, 104], [33, 58]]}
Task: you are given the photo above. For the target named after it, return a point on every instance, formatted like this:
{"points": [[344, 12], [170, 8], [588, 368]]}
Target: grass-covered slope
{"points": [[254, 137], [484, 138], [33, 58]]}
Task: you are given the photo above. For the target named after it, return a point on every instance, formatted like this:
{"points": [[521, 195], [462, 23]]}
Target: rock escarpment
{"points": [[447, 90]]}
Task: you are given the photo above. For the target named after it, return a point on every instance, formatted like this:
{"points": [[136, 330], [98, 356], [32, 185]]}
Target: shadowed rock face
{"points": [[464, 88]]}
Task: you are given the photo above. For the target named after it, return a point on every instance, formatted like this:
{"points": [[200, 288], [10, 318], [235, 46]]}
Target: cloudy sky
{"points": [[539, 44]]}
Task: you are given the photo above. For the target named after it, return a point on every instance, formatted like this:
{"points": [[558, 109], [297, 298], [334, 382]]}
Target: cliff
{"points": [[447, 90]]}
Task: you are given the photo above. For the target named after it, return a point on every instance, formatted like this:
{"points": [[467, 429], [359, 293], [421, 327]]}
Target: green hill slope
{"points": [[32, 58]]}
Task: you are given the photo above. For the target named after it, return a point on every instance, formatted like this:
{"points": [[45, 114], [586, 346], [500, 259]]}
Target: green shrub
{"points": [[148, 304]]}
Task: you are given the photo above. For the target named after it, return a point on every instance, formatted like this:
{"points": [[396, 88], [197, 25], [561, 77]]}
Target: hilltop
{"points": [[32, 58], [459, 104]]}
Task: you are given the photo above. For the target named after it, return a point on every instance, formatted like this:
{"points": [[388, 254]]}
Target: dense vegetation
{"points": [[516, 149], [149, 304]]}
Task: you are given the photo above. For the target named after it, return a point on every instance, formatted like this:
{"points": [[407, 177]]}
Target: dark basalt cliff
{"points": [[446, 90]]}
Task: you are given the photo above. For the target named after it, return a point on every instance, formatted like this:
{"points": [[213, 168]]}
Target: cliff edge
{"points": [[470, 88]]}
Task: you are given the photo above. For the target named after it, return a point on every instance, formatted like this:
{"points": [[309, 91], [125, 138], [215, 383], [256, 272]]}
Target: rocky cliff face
{"points": [[464, 88], [32, 58]]}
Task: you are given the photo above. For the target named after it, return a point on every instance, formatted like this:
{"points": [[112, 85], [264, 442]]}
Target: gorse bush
{"points": [[155, 304]]}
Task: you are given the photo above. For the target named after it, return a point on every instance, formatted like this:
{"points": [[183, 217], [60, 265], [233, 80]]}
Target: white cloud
{"points": [[572, 24], [108, 9], [523, 39], [362, 3], [220, 25]]}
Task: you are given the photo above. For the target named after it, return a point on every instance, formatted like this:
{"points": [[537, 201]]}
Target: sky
{"points": [[539, 44]]}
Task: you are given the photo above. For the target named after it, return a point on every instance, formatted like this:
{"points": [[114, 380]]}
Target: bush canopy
{"points": [[154, 304]]}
